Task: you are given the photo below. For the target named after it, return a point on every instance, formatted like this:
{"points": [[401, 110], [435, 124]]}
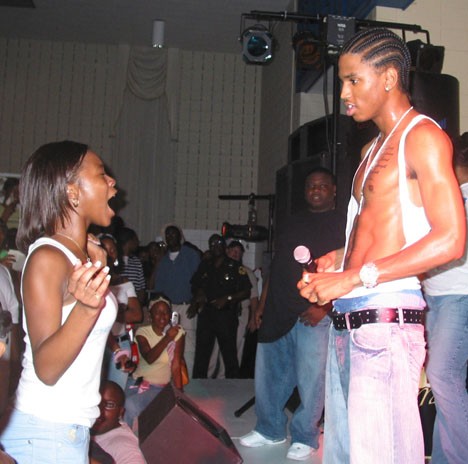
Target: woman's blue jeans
{"points": [[30, 440], [135, 403]]}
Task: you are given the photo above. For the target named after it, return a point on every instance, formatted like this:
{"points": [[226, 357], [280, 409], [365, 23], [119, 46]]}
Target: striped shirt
{"points": [[133, 270]]}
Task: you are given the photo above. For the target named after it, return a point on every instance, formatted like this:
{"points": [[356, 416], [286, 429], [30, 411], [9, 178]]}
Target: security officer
{"points": [[218, 286]]}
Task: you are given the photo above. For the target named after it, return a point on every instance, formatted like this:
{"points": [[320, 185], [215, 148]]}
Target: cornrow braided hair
{"points": [[382, 48]]}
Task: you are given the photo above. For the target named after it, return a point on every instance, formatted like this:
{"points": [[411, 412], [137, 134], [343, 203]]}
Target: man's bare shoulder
{"points": [[427, 140], [428, 131]]}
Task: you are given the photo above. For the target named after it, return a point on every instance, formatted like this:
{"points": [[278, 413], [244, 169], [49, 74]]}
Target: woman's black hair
{"points": [[43, 189]]}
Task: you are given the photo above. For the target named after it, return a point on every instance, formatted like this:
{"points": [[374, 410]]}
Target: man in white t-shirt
{"points": [[110, 432]]}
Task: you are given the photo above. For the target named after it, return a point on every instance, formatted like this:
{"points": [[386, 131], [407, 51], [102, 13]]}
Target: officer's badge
{"points": [[242, 270]]}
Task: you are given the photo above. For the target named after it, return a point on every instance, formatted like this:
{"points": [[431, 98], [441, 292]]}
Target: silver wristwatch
{"points": [[369, 274]]}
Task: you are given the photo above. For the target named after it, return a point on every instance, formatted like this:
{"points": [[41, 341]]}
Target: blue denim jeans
{"points": [[372, 383], [30, 440], [447, 339], [135, 402], [118, 376], [296, 359]]}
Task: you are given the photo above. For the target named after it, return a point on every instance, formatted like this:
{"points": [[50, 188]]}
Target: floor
{"points": [[220, 398]]}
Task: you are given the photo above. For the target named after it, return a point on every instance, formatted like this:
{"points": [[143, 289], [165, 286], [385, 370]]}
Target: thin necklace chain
{"points": [[88, 259]]}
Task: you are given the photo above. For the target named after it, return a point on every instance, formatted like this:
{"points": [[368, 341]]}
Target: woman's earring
{"points": [[387, 89], [75, 202]]}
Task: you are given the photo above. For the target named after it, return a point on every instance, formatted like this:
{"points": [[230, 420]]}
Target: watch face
{"points": [[369, 275]]}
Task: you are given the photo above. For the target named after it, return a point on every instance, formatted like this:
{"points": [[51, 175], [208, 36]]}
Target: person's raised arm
{"points": [[152, 354], [49, 282], [176, 365]]}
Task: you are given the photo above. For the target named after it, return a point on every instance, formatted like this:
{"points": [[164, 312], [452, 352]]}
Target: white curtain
{"points": [[144, 146]]}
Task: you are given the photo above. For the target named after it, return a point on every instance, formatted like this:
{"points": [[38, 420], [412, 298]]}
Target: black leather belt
{"points": [[355, 319], [122, 338]]}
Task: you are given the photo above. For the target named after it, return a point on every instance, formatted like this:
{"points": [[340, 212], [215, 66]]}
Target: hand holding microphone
{"points": [[303, 256]]}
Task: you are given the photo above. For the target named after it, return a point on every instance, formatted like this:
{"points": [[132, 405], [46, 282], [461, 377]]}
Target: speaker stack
{"points": [[173, 429], [309, 148]]}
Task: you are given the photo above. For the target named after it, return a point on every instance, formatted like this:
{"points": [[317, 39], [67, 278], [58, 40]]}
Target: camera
{"points": [[174, 318]]}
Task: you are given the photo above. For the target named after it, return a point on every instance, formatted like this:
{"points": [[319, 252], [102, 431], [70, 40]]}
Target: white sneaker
{"points": [[255, 439], [300, 452]]}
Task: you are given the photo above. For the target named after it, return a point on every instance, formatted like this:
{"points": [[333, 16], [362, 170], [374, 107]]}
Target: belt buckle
{"points": [[401, 320], [347, 321]]}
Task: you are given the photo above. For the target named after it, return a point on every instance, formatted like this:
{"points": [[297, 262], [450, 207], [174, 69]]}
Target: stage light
{"points": [[257, 44], [310, 52], [249, 233]]}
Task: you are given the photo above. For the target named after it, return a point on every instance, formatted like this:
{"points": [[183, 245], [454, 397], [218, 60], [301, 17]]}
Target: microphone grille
{"points": [[302, 254]]}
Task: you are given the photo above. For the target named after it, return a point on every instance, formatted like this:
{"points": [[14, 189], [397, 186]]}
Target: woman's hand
{"points": [[95, 251], [172, 332], [8, 261], [88, 283]]}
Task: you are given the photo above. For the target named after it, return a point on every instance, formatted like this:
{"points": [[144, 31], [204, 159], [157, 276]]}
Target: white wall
{"points": [[219, 125], [53, 91]]}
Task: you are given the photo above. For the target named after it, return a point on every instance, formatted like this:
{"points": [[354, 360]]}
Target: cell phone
{"points": [[175, 318]]}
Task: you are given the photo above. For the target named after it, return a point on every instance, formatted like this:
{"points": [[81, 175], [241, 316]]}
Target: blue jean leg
{"points": [[296, 359], [336, 433], [118, 376], [447, 338], [371, 409], [135, 403], [30, 440]]}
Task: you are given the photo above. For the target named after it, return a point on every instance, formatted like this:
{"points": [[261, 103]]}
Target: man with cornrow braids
{"points": [[405, 217]]}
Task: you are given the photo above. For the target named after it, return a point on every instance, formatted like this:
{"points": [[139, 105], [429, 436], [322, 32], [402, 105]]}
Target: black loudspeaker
{"points": [[437, 96], [426, 57], [173, 429]]}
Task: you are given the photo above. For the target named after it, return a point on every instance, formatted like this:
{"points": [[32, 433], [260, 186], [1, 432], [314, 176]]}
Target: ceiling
{"points": [[203, 25]]}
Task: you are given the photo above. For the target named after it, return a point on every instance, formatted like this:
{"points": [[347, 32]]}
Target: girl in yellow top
{"points": [[161, 349]]}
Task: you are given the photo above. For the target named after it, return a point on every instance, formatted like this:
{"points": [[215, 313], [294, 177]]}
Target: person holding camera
{"points": [[161, 351]]}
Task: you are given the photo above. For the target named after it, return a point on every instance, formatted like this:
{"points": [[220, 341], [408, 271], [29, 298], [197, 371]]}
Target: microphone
{"points": [[303, 256]]}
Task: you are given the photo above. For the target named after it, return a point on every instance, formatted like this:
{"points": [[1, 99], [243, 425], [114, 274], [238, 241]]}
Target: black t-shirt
{"points": [[321, 233]]}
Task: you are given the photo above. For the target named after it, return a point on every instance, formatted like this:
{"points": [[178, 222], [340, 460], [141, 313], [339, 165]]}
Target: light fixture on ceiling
{"points": [[158, 33], [258, 44]]}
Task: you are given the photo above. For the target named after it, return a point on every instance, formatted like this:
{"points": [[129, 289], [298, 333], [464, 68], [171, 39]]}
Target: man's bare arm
{"points": [[428, 155]]}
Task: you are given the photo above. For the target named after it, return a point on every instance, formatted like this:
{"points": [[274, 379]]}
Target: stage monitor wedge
{"points": [[173, 429]]}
